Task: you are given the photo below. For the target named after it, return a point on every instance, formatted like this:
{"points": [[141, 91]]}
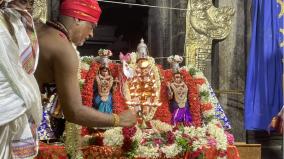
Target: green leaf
{"points": [[183, 143], [87, 59], [133, 151], [192, 71], [204, 93], [201, 156]]}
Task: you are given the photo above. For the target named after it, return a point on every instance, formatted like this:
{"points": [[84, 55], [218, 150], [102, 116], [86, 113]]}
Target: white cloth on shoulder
{"points": [[22, 83], [20, 100]]}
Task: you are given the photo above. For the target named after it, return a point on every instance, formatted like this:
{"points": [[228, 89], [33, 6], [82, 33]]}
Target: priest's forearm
{"points": [[90, 117]]}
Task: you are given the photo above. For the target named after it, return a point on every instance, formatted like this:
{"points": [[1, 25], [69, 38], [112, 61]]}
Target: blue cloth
{"points": [[45, 130], [263, 94], [104, 106], [219, 112]]}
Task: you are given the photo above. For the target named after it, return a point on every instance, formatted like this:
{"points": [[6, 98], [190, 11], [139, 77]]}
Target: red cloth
{"points": [[87, 10]]}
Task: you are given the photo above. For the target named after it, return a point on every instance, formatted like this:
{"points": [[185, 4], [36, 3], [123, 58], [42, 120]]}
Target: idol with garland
{"points": [[142, 91], [178, 93], [104, 82], [151, 91]]}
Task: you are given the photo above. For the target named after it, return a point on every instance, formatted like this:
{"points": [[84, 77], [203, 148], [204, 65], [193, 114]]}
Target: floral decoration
{"points": [[168, 141], [163, 139]]}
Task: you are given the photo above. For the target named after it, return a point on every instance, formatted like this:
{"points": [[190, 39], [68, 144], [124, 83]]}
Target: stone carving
{"points": [[204, 23], [40, 10]]}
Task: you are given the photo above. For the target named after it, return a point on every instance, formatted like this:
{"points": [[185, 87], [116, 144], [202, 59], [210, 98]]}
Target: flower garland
{"points": [[193, 97], [178, 140], [172, 141], [87, 91], [214, 126], [153, 68], [206, 100], [118, 99], [163, 112], [88, 74], [166, 140], [88, 88], [72, 131]]}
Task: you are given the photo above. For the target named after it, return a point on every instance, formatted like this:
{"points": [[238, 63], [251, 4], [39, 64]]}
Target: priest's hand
{"points": [[127, 118]]}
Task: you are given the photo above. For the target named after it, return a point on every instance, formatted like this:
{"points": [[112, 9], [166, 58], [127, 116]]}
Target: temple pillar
{"points": [[231, 66]]}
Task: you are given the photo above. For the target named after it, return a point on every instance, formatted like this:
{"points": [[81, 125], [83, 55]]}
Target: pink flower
{"points": [[196, 153], [212, 142], [170, 137], [222, 153], [143, 141], [230, 138], [158, 141], [129, 132]]}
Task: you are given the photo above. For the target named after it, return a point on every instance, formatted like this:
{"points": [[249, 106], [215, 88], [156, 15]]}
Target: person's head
{"points": [[104, 71], [80, 17], [23, 4], [177, 78], [79, 30]]}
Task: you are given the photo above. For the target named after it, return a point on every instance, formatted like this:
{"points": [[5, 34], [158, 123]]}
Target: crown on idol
{"points": [[104, 53], [174, 61], [141, 45]]}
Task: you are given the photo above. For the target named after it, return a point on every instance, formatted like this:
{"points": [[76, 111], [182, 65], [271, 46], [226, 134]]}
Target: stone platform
{"points": [[249, 151]]}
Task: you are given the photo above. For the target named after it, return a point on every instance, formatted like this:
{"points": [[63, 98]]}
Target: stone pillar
{"points": [[158, 30], [232, 67], [53, 9], [178, 27], [166, 29]]}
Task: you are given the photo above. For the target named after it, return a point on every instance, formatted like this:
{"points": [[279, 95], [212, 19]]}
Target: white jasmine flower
{"points": [[113, 137], [147, 152], [171, 151]]}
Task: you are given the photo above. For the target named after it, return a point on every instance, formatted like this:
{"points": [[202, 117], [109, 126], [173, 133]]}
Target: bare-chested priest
{"points": [[58, 62]]}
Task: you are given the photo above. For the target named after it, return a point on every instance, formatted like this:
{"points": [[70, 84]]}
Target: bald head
{"points": [[79, 30]]}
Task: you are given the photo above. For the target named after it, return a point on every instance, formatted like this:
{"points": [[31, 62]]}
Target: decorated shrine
{"points": [[165, 86], [178, 113]]}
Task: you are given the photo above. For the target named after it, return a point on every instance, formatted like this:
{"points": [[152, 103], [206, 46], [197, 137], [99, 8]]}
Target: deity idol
{"points": [[144, 87], [104, 83], [178, 93]]}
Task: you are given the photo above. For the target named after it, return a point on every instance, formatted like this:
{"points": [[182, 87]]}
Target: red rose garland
{"points": [[88, 87], [118, 101], [83, 73], [193, 96], [206, 107], [163, 111], [88, 90], [128, 133]]}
